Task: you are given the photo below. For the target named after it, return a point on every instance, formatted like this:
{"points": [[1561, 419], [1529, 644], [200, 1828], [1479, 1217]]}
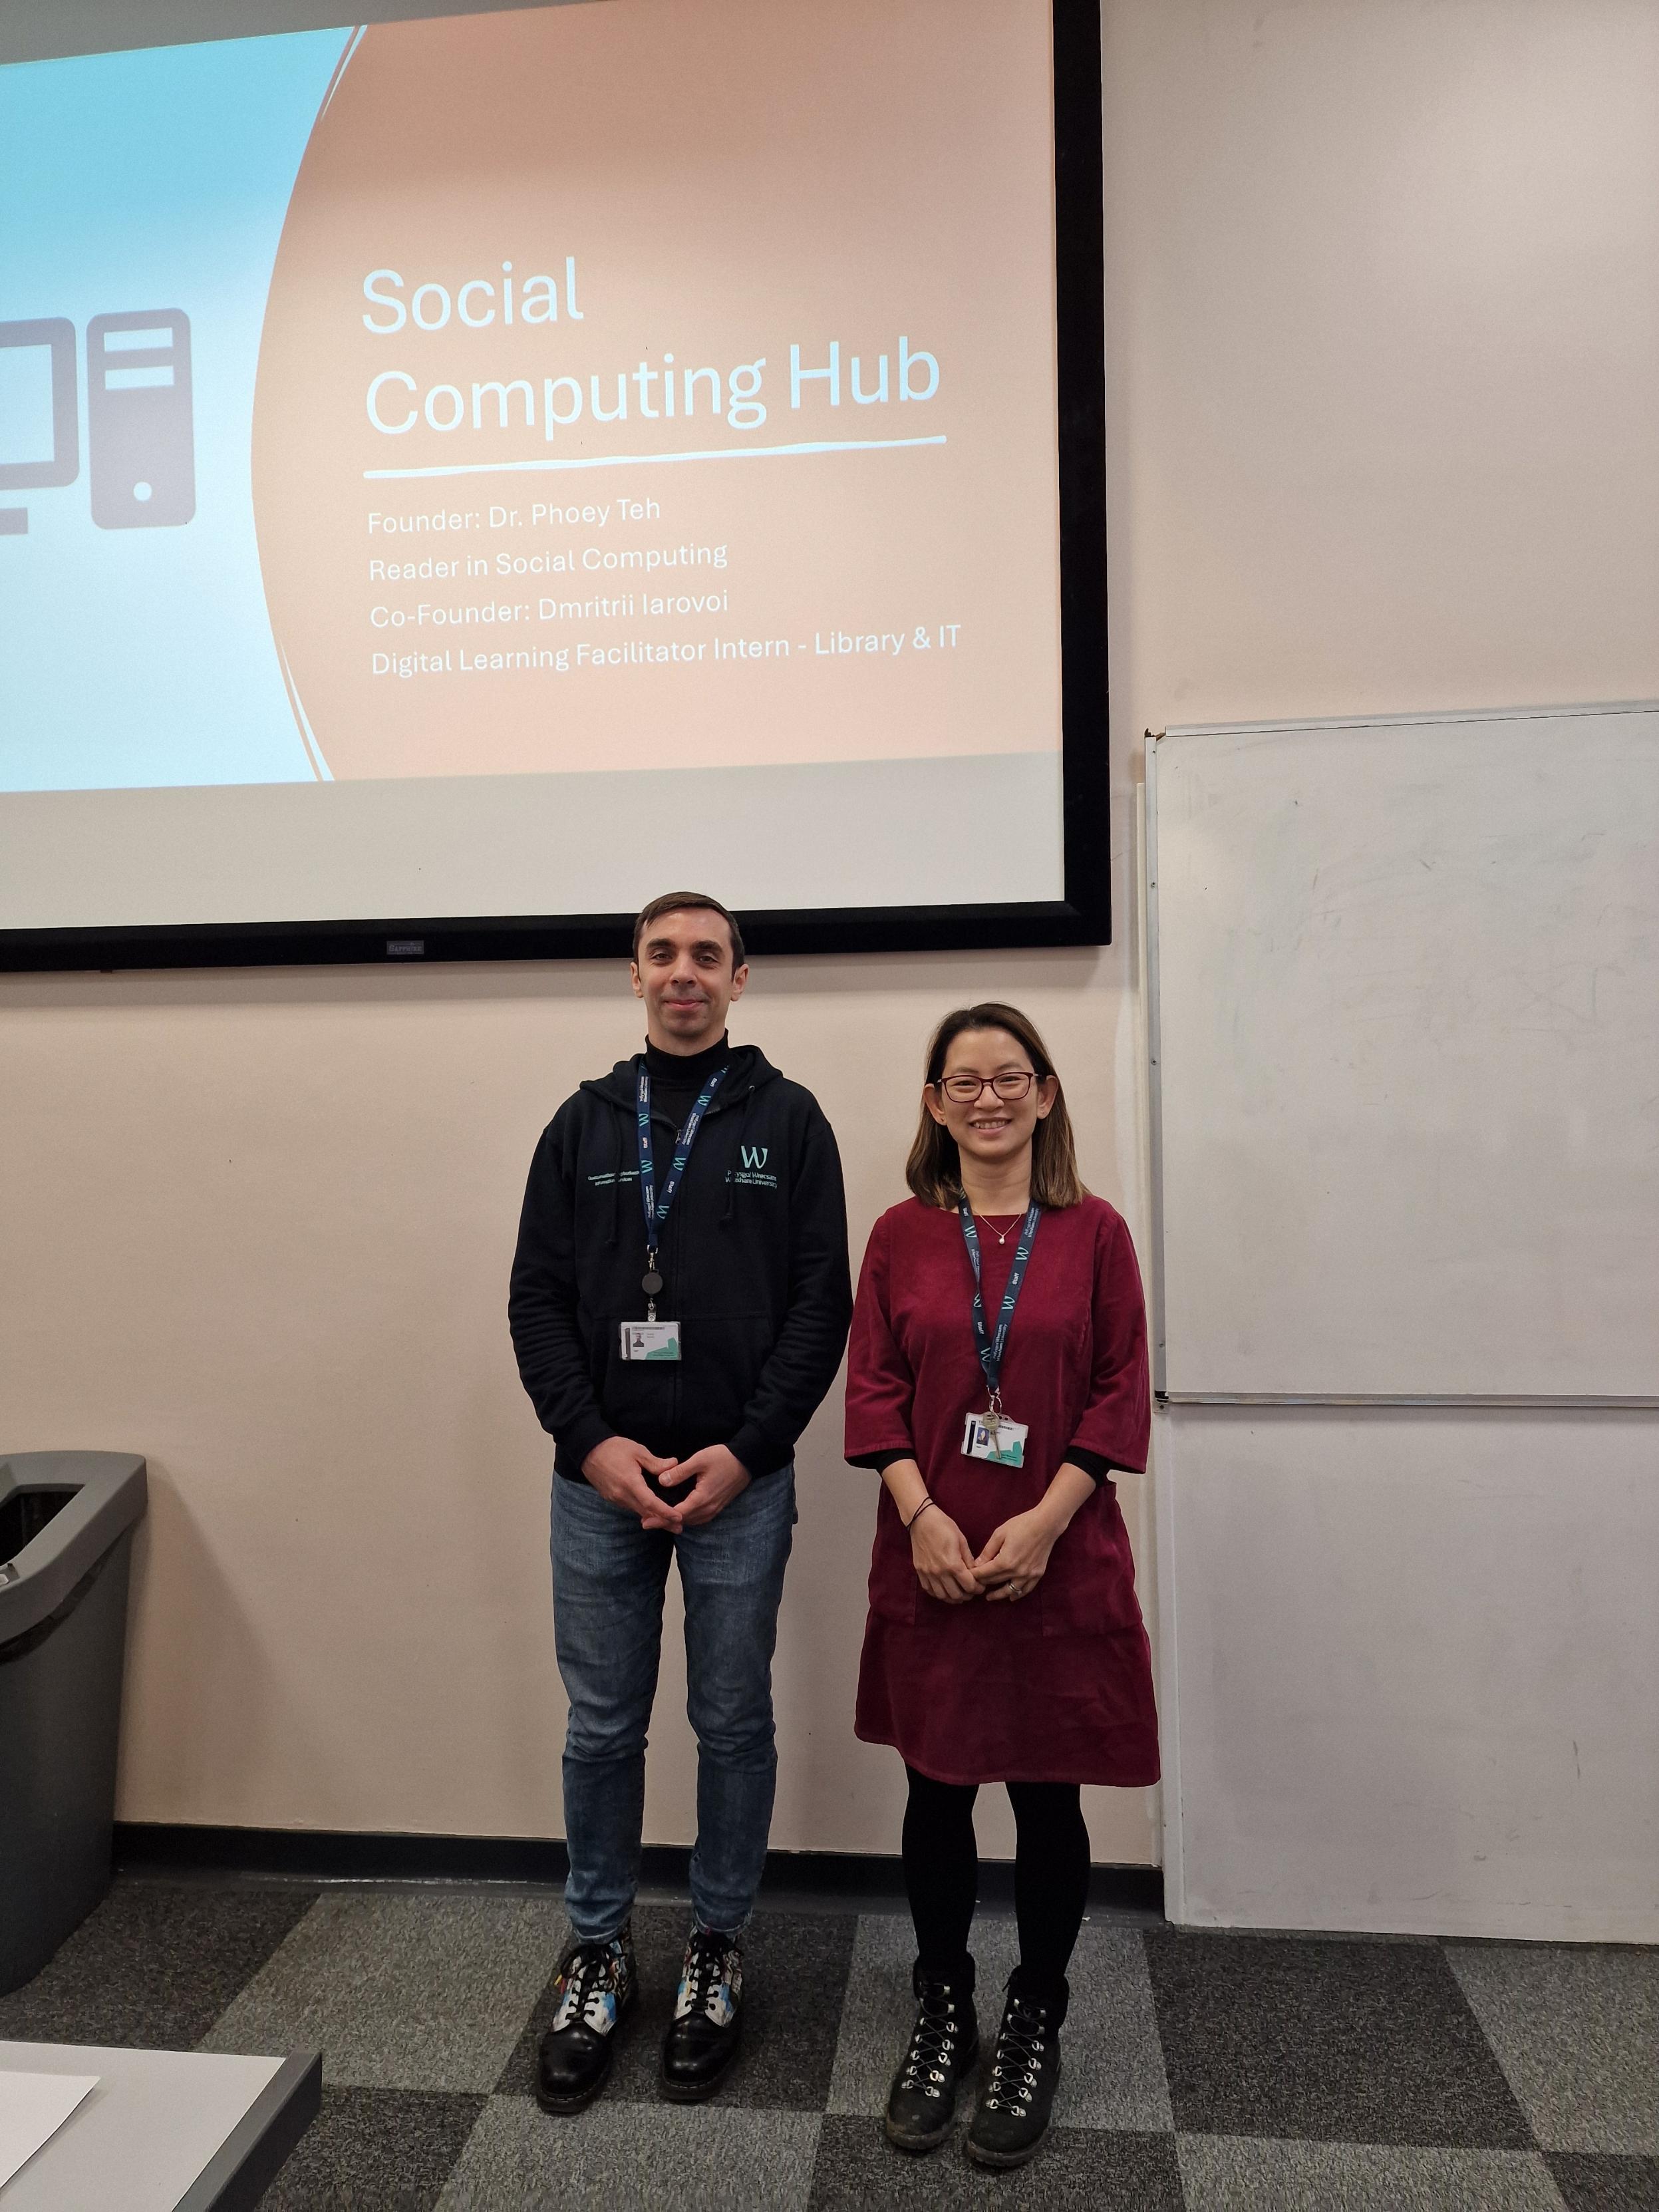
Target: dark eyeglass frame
{"points": [[1023, 1077]]}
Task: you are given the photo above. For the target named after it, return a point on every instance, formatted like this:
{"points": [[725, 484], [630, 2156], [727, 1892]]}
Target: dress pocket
{"points": [[1088, 1590], [1066, 1610]]}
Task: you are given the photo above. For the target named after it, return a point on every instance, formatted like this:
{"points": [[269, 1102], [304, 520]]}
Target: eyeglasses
{"points": [[967, 1090]]}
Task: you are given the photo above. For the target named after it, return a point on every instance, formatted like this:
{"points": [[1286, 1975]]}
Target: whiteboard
{"points": [[1404, 1018], [1407, 1685]]}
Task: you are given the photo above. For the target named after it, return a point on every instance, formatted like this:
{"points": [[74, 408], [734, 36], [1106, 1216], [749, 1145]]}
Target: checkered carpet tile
{"points": [[1216, 2073]]}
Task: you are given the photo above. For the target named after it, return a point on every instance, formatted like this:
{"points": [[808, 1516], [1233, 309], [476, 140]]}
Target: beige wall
{"points": [[268, 1219], [1384, 339]]}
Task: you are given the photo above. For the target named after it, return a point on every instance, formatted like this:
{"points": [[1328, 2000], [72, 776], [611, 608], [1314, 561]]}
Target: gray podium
{"points": [[164, 2130]]}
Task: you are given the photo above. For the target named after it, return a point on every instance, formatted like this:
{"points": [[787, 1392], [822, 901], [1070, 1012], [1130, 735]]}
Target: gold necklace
{"points": [[1001, 1235]]}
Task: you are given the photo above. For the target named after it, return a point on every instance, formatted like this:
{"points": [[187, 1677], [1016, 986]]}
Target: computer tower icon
{"points": [[40, 420], [141, 431]]}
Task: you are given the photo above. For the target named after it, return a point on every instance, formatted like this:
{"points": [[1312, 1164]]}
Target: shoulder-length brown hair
{"points": [[933, 1170]]}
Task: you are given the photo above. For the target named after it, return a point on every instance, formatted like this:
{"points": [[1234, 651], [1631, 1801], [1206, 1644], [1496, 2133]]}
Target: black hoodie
{"points": [[754, 1261]]}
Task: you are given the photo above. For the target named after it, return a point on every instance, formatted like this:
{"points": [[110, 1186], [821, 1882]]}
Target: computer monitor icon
{"points": [[40, 416], [140, 423]]}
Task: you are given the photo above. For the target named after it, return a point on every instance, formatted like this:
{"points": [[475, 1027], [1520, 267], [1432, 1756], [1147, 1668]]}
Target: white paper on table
{"points": [[32, 2108]]}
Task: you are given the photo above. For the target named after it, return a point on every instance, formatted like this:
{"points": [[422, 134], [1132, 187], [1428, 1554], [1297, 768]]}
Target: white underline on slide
{"points": [[643, 460]]}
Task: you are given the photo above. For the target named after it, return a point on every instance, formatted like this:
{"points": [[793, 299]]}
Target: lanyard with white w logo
{"points": [[991, 1347], [656, 1209]]}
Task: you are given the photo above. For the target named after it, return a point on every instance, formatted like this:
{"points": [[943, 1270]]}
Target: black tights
{"points": [[1051, 1877]]}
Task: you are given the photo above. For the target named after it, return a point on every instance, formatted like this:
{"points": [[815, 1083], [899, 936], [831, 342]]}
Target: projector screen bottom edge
{"points": [[1023, 926], [514, 867]]}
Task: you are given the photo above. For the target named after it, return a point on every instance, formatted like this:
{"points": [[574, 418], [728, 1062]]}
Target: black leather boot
{"points": [[702, 2037], [944, 2050], [597, 1985], [1013, 2116]]}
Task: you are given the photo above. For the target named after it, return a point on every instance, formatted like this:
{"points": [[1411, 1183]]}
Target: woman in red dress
{"points": [[1004, 1643]]}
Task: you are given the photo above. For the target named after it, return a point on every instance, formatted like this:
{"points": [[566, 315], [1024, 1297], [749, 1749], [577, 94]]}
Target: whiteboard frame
{"points": [[1162, 1393]]}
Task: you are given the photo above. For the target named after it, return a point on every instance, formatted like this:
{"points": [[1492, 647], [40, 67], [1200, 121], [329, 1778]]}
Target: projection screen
{"points": [[460, 476]]}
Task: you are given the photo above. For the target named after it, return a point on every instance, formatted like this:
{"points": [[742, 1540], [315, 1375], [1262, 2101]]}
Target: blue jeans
{"points": [[609, 1575]]}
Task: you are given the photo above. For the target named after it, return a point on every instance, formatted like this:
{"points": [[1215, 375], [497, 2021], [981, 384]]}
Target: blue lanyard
{"points": [[991, 1348], [656, 1209]]}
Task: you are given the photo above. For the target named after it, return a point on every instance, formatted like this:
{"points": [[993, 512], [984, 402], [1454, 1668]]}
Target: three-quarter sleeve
{"points": [[880, 1386], [1116, 1423]]}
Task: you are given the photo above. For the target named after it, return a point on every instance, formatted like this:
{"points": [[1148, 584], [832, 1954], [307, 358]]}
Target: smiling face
{"points": [[990, 1131], [684, 974]]}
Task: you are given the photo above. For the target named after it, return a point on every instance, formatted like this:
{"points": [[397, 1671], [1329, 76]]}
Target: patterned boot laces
{"points": [[932, 2056], [592, 1975], [1020, 2046]]}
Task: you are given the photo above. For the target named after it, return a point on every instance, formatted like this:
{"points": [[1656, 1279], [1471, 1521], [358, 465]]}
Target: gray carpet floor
{"points": [[1216, 2073]]}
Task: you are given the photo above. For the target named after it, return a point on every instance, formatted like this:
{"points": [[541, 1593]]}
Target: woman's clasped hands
{"points": [[1013, 1561]]}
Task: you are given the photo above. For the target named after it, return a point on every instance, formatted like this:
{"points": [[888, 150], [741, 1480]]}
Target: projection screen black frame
{"points": [[1082, 917]]}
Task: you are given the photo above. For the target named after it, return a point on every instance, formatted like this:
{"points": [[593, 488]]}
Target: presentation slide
{"points": [[501, 464]]}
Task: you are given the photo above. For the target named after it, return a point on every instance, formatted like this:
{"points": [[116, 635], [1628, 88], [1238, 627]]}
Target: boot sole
{"points": [[1004, 2161], [917, 2146], [561, 2107], [697, 2092]]}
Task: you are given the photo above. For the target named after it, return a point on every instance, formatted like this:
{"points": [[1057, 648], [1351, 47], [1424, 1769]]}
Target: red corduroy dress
{"points": [[1056, 1687]]}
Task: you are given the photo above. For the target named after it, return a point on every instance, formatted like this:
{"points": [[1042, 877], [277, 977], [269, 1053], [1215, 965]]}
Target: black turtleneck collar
{"points": [[676, 1071]]}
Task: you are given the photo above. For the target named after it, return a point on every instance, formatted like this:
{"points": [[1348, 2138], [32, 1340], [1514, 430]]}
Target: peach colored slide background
{"points": [[730, 176]]}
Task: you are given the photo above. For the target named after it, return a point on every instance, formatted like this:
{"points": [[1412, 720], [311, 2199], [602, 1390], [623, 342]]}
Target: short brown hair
{"points": [[933, 1170], [684, 901]]}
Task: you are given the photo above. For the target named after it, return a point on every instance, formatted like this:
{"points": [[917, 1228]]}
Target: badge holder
{"points": [[650, 1339], [991, 1435]]}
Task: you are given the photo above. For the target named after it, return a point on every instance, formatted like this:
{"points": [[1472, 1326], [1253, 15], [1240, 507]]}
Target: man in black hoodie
{"points": [[679, 1305]]}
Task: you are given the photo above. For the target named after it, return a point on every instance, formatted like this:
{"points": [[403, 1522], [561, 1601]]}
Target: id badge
{"points": [[1003, 1445], [651, 1340]]}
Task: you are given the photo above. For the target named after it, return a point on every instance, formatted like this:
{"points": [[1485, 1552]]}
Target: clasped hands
{"points": [[1014, 1560], [618, 1469]]}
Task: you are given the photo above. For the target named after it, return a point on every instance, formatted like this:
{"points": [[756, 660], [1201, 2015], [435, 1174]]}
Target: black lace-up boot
{"points": [[702, 2037], [944, 2048], [596, 1984], [1013, 2116]]}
